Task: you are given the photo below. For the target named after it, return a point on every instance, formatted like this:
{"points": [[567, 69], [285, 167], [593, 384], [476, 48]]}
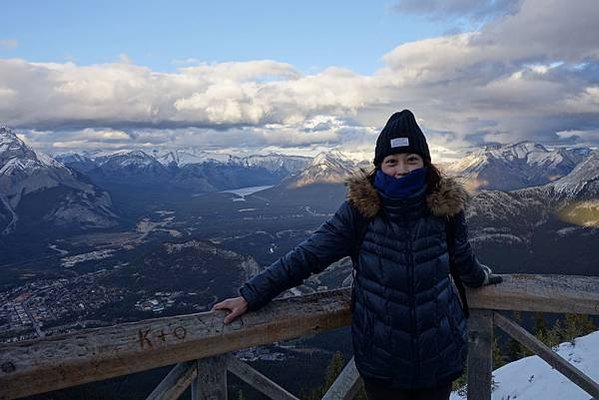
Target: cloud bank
{"points": [[532, 73]]}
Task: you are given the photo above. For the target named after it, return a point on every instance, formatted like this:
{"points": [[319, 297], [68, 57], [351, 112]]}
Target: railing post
{"points": [[211, 380], [480, 340]]}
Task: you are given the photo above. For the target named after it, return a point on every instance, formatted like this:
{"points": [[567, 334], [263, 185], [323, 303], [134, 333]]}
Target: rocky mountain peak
{"points": [[130, 156], [13, 148], [23, 172], [332, 159], [583, 181], [326, 167], [515, 166]]}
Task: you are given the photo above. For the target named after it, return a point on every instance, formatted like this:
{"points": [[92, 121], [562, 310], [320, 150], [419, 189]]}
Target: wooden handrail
{"points": [[38, 366], [543, 293], [42, 365]]}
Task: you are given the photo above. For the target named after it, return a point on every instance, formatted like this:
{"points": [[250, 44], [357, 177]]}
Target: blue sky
{"points": [[311, 35], [298, 78]]}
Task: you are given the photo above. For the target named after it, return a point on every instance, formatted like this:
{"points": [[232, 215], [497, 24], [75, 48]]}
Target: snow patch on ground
{"points": [[531, 378]]}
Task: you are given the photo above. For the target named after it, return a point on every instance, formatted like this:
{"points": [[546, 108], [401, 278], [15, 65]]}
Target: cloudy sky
{"points": [[272, 76]]}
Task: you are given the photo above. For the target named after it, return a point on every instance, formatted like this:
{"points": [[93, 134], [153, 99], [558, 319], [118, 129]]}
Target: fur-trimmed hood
{"points": [[448, 200]]}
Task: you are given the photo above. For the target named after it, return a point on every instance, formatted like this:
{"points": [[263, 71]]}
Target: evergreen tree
{"points": [[514, 349], [332, 372], [554, 335], [540, 328], [576, 325], [361, 394], [461, 384], [498, 359], [240, 395]]}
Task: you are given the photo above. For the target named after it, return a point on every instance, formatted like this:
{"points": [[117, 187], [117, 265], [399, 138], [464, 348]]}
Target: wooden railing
{"points": [[199, 344]]}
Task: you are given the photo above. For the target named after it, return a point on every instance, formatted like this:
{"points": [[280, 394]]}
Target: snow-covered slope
{"points": [[329, 167], [189, 155], [516, 166], [531, 378], [24, 172], [275, 162], [272, 162], [583, 181]]}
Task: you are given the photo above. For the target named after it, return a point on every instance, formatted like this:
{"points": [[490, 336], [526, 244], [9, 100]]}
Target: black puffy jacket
{"points": [[408, 329]]}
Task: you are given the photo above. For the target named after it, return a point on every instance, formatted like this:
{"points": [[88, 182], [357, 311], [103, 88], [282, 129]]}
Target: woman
{"points": [[408, 328]]}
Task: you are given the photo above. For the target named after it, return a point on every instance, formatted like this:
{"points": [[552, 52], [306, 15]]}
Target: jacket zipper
{"points": [[414, 338]]}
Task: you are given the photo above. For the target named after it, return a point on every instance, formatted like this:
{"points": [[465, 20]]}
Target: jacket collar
{"points": [[446, 201]]}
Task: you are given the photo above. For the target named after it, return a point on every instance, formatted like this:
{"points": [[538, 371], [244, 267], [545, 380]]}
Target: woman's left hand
{"points": [[490, 277]]}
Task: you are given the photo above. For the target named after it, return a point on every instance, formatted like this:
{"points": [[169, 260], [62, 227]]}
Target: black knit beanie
{"points": [[401, 134]]}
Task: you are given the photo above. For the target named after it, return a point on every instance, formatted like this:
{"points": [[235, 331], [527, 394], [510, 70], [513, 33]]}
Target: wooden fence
{"points": [[199, 344]]}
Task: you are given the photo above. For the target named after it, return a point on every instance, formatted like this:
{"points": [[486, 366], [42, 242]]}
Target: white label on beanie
{"points": [[400, 142]]}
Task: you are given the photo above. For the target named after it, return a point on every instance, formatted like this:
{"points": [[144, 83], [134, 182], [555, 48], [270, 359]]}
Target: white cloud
{"points": [[125, 59], [525, 75], [580, 137]]}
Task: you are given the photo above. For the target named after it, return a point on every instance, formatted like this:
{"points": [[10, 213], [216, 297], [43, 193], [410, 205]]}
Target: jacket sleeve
{"points": [[470, 269], [332, 241]]}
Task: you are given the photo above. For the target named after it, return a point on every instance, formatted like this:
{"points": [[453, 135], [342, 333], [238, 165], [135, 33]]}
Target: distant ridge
{"points": [[185, 170], [516, 166]]}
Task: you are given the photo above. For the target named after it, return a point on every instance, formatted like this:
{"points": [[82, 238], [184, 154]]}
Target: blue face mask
{"points": [[401, 187]]}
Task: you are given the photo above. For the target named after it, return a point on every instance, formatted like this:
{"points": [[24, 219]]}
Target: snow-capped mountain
{"points": [[25, 174], [189, 170], [326, 167], [549, 228], [531, 378], [534, 205], [80, 162], [134, 168], [582, 182], [182, 157], [280, 163], [516, 166]]}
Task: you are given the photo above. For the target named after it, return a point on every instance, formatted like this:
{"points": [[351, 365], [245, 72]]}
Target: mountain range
{"points": [[186, 170], [514, 215], [499, 167], [35, 187], [78, 191], [515, 166]]}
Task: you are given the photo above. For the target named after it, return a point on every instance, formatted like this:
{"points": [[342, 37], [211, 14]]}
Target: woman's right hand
{"points": [[237, 305]]}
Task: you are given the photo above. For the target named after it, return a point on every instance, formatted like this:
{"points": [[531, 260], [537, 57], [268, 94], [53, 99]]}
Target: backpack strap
{"points": [[453, 269]]}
